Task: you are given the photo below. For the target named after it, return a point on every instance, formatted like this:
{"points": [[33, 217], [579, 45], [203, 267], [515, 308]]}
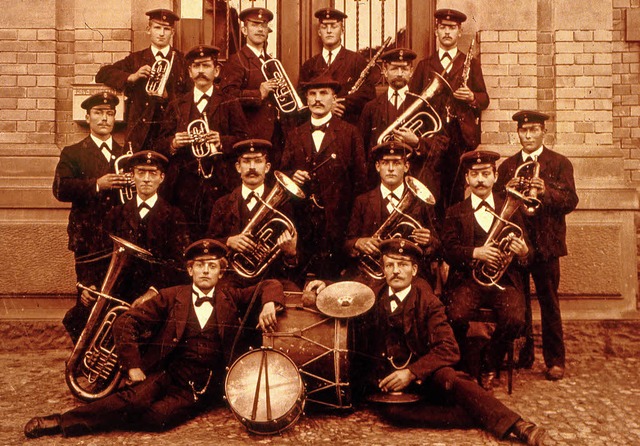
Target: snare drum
{"points": [[264, 391]]}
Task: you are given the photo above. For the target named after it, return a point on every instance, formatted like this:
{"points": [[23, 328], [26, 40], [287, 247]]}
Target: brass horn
{"points": [[529, 194], [128, 191], [287, 99], [200, 147], [160, 71], [417, 121]]}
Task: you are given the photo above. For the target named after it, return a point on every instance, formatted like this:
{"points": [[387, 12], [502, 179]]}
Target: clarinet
{"points": [[466, 69], [369, 67]]}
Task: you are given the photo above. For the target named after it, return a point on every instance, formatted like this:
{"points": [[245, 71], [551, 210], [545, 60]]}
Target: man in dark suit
{"points": [[144, 112], [372, 209], [406, 349], [461, 111], [194, 184], [174, 348], [341, 64], [326, 157], [466, 228], [547, 228], [85, 177]]}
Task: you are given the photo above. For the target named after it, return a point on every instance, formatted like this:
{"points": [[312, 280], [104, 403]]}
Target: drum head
{"points": [[345, 299], [393, 398]]}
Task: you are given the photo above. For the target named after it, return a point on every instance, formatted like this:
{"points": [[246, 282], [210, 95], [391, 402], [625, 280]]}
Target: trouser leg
{"points": [[509, 309], [546, 276]]}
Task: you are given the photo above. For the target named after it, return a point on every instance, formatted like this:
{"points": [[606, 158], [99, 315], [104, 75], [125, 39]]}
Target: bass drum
{"points": [[319, 345], [264, 391]]}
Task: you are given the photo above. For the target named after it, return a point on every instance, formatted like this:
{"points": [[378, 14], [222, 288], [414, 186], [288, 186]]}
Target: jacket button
{"points": [[175, 339], [144, 119]]}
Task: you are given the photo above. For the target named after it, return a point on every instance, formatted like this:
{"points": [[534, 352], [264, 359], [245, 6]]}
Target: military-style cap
{"points": [[450, 14], [252, 146], [206, 247], [478, 159], [529, 116], [163, 15], [391, 148], [401, 247], [399, 55], [148, 158], [321, 81], [202, 51], [104, 98], [256, 15], [329, 15]]}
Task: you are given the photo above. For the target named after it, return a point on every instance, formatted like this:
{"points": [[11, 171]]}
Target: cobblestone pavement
{"points": [[597, 403]]}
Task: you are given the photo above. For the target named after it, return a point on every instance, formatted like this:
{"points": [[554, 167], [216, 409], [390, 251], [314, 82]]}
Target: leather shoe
{"points": [[529, 433], [555, 373], [487, 380], [41, 426]]}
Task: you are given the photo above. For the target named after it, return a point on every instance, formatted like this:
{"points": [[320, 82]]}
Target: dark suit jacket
{"points": [[141, 109], [547, 228], [78, 169]]}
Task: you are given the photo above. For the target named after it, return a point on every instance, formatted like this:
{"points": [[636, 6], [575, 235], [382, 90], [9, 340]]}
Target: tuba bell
{"points": [[128, 191], [200, 147], [397, 224], [160, 71], [92, 371], [287, 99], [265, 227], [421, 123]]}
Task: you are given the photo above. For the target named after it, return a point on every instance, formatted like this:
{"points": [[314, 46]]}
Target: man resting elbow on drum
{"points": [[182, 368], [406, 348]]}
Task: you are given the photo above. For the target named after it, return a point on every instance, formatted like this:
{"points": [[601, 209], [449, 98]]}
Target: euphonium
{"points": [[415, 120], [92, 371], [200, 147], [397, 224], [530, 201], [128, 191], [264, 228], [160, 71], [287, 99]]}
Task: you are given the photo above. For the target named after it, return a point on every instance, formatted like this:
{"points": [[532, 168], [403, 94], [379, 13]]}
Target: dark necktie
{"points": [[104, 148], [391, 201], [319, 128], [329, 60], [204, 97], [393, 299], [446, 61], [247, 201], [202, 299], [202, 102], [394, 99], [262, 57], [484, 204], [160, 55], [143, 206]]}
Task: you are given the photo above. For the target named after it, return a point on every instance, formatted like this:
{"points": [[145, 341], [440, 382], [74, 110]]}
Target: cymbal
{"points": [[345, 299], [393, 397]]}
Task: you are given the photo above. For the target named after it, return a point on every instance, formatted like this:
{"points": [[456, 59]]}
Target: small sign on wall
{"points": [[83, 91]]}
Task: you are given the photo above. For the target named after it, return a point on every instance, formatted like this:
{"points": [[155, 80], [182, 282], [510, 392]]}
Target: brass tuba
{"points": [[287, 99], [415, 120], [127, 192], [397, 224], [92, 371], [200, 147], [160, 71], [265, 227], [529, 194]]}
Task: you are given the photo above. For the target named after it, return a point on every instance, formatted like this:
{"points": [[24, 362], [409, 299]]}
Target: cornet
{"points": [[200, 147], [528, 193], [128, 191], [160, 71], [287, 99]]}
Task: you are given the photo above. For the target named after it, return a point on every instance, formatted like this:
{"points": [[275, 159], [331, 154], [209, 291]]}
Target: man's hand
{"points": [[88, 299], [181, 139], [112, 181], [316, 286], [149, 294], [464, 94], [406, 136], [288, 242], [368, 245], [539, 184], [422, 236], [519, 247], [397, 381], [136, 375], [267, 87], [213, 137], [143, 73], [489, 254], [338, 108], [267, 319], [241, 243], [300, 177]]}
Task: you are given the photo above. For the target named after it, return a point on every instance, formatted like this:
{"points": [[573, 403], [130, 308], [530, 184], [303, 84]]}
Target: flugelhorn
{"points": [[264, 228], [397, 224], [200, 147], [529, 194], [287, 99], [127, 192], [417, 121], [160, 71]]}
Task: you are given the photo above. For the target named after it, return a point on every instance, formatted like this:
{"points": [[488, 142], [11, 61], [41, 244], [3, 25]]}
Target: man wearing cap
{"points": [[461, 111], [242, 77], [466, 229], [232, 213], [372, 209], [150, 222], [324, 155], [547, 229], [406, 349], [130, 75], [341, 64], [194, 185], [174, 349], [85, 177]]}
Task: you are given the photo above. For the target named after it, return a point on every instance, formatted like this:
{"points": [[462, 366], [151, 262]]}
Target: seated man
{"points": [[406, 345], [174, 350]]}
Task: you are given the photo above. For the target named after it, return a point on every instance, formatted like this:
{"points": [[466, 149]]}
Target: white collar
{"points": [[197, 292], [323, 120], [402, 93], [334, 53], [197, 94], [164, 51], [256, 51], [259, 191], [453, 52], [402, 294], [398, 191], [151, 201], [475, 201], [99, 142], [535, 155]]}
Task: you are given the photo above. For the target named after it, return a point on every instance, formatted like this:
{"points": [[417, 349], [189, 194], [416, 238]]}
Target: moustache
{"points": [[252, 173], [202, 76]]}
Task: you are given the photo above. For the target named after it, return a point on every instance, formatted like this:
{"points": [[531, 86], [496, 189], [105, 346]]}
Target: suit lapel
{"points": [[182, 307], [468, 219], [329, 136], [252, 59]]}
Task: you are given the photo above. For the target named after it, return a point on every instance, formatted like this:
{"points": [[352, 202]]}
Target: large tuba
{"points": [[529, 194], [287, 99], [92, 371], [415, 120], [127, 192], [397, 224], [265, 227], [200, 147], [160, 71]]}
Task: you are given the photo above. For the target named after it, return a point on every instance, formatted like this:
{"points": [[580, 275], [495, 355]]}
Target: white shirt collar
{"points": [[256, 51], [453, 52], [535, 155], [334, 53], [258, 191], [475, 201], [321, 121], [402, 294], [99, 142], [197, 94], [151, 201], [164, 51], [402, 94], [398, 191]]}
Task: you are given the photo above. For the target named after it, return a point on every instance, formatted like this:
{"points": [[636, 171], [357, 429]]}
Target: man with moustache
{"points": [[325, 156], [85, 177], [340, 64], [130, 75], [193, 184], [174, 348]]}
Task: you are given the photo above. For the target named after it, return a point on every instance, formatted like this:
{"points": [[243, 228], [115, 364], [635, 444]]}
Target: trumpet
{"points": [[416, 121], [128, 191], [287, 99], [160, 71], [200, 147], [528, 194]]}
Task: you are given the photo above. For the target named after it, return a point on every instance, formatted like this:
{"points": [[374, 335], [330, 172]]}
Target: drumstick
{"points": [[332, 157], [266, 386], [256, 397]]}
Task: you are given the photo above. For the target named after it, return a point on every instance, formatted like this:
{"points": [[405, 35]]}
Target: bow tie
{"points": [[319, 128], [204, 97], [159, 54], [144, 205], [202, 299], [484, 204]]}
